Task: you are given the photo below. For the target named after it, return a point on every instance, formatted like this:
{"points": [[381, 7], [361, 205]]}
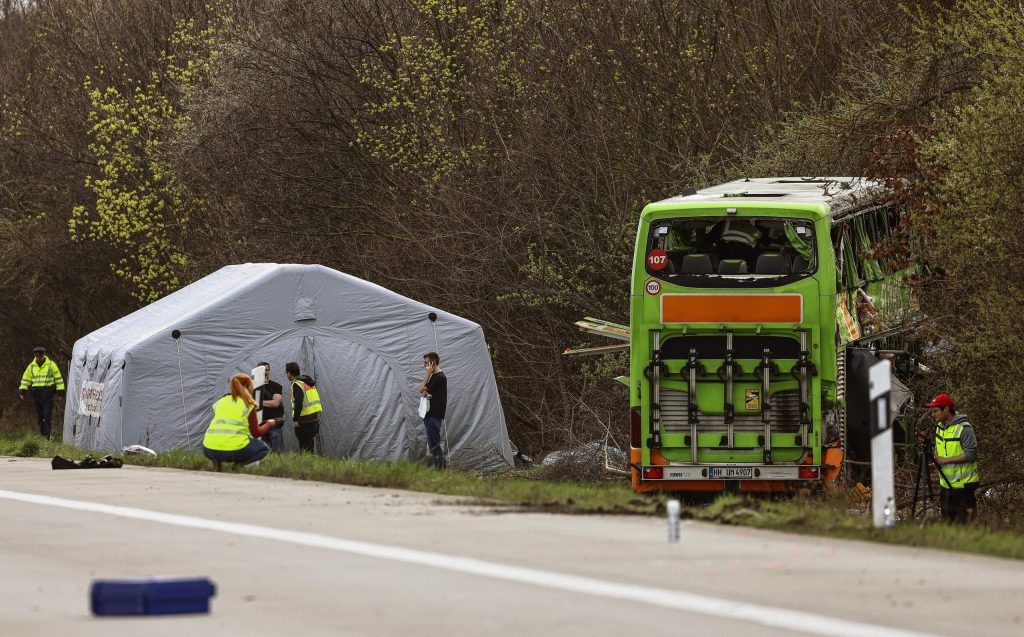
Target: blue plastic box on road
{"points": [[151, 596]]}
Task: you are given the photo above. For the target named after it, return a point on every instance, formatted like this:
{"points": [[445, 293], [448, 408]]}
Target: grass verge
{"points": [[513, 488], [839, 517], [525, 490]]}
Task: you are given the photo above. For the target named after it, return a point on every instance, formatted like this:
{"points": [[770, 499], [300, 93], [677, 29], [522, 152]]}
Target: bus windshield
{"points": [[730, 248]]}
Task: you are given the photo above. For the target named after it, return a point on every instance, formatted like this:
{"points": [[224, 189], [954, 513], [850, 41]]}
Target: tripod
{"points": [[922, 470]]}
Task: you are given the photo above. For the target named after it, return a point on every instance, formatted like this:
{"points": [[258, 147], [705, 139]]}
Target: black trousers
{"points": [[43, 397], [306, 432], [956, 503]]}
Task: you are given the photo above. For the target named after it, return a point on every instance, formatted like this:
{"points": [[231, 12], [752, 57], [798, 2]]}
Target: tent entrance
{"points": [[366, 411]]}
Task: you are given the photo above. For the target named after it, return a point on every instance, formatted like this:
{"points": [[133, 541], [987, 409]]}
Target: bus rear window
{"points": [[731, 248]]}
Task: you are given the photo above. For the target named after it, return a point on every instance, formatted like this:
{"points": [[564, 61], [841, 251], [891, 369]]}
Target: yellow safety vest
{"points": [[947, 445], [229, 429], [45, 375], [310, 399]]}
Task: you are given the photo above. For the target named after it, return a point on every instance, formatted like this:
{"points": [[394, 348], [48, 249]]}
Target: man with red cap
{"points": [[956, 453]]}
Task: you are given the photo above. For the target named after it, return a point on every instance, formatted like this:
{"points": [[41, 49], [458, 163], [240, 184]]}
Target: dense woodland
{"points": [[491, 158]]}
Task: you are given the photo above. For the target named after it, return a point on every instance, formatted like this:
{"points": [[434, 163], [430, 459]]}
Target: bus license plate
{"points": [[731, 473]]}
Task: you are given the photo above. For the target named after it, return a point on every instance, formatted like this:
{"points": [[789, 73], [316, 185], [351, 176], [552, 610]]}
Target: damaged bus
{"points": [[749, 302]]}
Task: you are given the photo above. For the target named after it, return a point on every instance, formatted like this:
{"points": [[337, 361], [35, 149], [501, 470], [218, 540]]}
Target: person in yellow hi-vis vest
{"points": [[739, 240], [233, 434], [306, 407], [42, 381], [956, 454]]}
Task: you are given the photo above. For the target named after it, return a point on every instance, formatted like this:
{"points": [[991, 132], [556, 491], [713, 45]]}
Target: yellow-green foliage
{"points": [[435, 88], [971, 161], [11, 119], [140, 208]]}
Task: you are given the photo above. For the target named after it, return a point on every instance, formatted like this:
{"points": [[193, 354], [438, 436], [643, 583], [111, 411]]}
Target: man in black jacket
{"points": [[271, 396], [435, 387]]}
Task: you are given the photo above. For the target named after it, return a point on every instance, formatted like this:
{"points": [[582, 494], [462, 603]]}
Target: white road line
{"points": [[802, 622]]}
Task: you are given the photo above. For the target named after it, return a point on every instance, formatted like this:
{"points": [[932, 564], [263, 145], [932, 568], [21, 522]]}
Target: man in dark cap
{"points": [[42, 380]]}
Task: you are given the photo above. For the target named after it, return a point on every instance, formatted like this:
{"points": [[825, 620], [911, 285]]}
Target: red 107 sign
{"points": [[657, 259]]}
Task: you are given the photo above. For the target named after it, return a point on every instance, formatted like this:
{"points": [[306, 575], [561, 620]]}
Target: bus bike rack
{"points": [[654, 377], [766, 368], [729, 369], [692, 367], [804, 366]]}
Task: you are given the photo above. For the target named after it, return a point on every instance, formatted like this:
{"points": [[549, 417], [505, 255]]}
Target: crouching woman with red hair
{"points": [[233, 434]]}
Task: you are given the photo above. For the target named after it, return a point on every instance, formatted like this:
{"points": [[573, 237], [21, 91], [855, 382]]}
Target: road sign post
{"points": [[883, 491]]}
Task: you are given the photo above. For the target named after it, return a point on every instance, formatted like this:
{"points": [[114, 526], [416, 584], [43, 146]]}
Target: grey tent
{"points": [[151, 377]]}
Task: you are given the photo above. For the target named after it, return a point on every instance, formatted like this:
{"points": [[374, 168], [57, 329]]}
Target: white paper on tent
{"points": [[90, 400], [424, 406]]}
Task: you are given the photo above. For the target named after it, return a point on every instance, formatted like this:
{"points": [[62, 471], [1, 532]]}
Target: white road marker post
{"points": [[672, 507], [883, 490]]}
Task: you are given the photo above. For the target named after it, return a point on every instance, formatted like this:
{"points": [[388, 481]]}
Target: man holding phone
{"points": [[271, 403], [435, 388]]}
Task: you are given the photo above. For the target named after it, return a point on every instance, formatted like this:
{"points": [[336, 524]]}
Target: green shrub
{"points": [[29, 448]]}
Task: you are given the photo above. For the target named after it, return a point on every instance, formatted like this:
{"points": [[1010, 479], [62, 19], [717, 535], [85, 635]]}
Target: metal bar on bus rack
{"points": [[805, 408], [766, 405], [691, 404], [656, 392], [730, 408]]}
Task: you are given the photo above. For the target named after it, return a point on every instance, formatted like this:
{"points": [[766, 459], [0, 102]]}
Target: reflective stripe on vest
{"points": [[947, 445], [45, 375], [310, 399], [743, 233], [229, 429]]}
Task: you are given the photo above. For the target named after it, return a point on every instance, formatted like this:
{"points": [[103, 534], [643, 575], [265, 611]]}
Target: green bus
{"points": [[750, 302]]}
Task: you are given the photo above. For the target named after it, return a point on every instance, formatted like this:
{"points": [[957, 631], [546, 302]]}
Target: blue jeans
{"points": [[275, 439], [433, 427], [252, 452]]}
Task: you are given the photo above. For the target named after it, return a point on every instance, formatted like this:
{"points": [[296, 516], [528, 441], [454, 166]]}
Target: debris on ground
{"points": [[591, 461], [88, 462], [137, 449]]}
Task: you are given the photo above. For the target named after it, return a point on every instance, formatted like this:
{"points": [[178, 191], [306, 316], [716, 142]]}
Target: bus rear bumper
{"points": [[760, 478], [655, 473]]}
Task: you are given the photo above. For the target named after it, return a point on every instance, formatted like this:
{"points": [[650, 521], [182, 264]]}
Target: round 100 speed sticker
{"points": [[652, 287]]}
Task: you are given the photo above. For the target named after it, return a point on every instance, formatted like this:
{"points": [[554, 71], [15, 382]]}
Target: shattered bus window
{"points": [[747, 247]]}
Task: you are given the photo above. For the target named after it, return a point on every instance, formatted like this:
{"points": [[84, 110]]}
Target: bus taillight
{"points": [[653, 473], [808, 472], [634, 427]]}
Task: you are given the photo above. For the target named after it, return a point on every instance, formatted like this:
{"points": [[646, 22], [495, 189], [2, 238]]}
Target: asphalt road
{"points": [[301, 558]]}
